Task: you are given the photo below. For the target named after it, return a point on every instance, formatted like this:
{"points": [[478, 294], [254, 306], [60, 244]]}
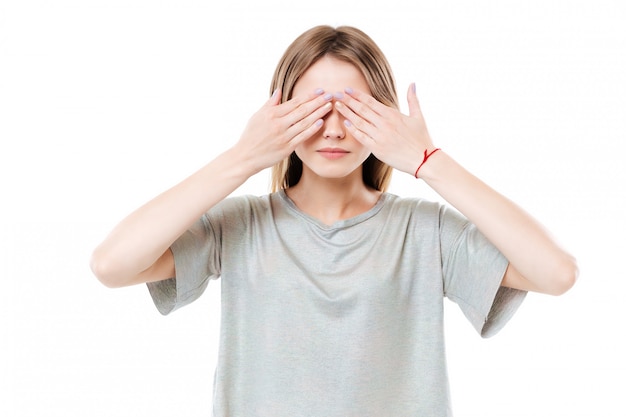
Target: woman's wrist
{"points": [[433, 161], [427, 155], [238, 163]]}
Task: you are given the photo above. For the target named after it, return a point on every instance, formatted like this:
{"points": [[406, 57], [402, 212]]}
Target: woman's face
{"points": [[332, 152]]}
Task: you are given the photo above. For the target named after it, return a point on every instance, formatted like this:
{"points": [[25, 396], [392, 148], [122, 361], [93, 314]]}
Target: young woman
{"points": [[332, 288]]}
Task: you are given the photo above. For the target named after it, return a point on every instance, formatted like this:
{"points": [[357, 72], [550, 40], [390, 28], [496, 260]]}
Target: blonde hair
{"points": [[350, 45]]}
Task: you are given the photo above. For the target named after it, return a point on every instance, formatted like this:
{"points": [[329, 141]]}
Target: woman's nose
{"points": [[333, 125]]}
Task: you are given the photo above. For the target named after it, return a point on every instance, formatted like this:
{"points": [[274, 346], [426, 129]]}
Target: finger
{"points": [[294, 130], [295, 102], [368, 102], [305, 109], [361, 109], [359, 135], [355, 120], [275, 98], [308, 132], [414, 105]]}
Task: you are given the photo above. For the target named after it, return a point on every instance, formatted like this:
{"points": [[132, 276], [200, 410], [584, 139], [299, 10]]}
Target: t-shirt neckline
{"points": [[339, 224]]}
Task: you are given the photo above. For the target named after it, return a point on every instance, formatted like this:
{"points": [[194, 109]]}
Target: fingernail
{"points": [[328, 96], [318, 91], [338, 95], [413, 88], [349, 90], [275, 92], [319, 122], [347, 123]]}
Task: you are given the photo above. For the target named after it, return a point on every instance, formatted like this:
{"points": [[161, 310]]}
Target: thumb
{"points": [[275, 98], [414, 104]]}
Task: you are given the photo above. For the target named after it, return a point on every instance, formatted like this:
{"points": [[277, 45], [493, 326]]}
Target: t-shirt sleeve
{"points": [[472, 271], [197, 260]]}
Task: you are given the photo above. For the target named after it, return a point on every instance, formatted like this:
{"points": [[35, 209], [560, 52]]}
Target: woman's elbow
{"points": [[564, 277], [104, 269]]}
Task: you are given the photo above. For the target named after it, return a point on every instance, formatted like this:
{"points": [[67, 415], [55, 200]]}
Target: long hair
{"points": [[350, 45]]}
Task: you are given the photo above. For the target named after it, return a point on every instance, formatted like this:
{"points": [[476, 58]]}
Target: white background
{"points": [[105, 103]]}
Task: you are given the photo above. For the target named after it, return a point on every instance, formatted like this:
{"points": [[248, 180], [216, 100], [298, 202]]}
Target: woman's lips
{"points": [[332, 153]]}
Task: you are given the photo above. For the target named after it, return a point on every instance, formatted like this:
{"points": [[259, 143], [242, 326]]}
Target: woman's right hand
{"points": [[137, 250], [275, 131]]}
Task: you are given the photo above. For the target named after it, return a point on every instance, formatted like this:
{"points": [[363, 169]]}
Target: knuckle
{"points": [[364, 110], [359, 123], [272, 113], [358, 107], [299, 114], [370, 101]]}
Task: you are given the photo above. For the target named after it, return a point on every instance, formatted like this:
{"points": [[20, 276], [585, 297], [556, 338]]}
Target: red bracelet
{"points": [[426, 156]]}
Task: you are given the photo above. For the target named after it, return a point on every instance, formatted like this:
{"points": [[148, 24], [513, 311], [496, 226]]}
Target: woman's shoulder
{"points": [[424, 211], [246, 200], [412, 204], [237, 206]]}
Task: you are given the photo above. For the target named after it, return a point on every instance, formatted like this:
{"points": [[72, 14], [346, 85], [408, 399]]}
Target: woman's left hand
{"points": [[395, 138]]}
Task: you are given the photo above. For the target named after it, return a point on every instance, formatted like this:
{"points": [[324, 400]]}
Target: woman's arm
{"points": [[137, 250], [536, 261]]}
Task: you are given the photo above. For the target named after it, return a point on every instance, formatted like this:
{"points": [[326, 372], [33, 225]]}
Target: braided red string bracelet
{"points": [[426, 156]]}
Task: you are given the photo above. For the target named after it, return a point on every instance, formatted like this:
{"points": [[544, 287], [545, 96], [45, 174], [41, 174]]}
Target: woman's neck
{"points": [[330, 200]]}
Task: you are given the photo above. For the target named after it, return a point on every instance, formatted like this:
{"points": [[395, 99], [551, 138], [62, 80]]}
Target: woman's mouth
{"points": [[333, 153]]}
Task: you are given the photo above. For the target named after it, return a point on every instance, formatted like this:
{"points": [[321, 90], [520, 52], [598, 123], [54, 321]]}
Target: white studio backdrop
{"points": [[104, 104]]}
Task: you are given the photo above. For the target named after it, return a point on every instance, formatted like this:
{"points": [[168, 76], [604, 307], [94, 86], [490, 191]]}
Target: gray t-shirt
{"points": [[341, 320]]}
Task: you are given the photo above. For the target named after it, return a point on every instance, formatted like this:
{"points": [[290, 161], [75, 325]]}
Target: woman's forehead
{"points": [[331, 74]]}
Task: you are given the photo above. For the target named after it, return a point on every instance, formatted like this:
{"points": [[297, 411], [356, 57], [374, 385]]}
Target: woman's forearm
{"points": [[140, 240], [531, 251], [137, 249]]}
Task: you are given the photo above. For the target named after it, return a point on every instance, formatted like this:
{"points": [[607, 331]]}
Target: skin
{"points": [[344, 115], [137, 249], [332, 190]]}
